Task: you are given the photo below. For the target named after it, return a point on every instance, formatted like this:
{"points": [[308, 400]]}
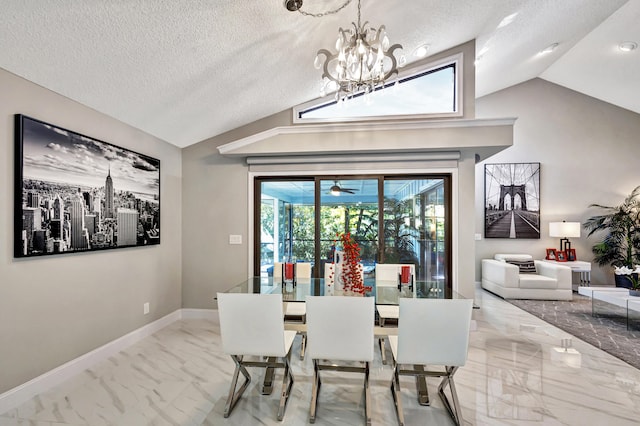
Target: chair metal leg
{"points": [[454, 411], [314, 392], [421, 386], [367, 395], [234, 395], [287, 384], [267, 385], [303, 346], [383, 355], [395, 392]]}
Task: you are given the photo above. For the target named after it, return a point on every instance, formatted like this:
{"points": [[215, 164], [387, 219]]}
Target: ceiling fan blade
{"points": [[348, 191]]}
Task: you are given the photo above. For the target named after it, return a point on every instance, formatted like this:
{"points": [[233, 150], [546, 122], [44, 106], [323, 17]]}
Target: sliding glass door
{"points": [[284, 225], [395, 219], [416, 228], [349, 205]]}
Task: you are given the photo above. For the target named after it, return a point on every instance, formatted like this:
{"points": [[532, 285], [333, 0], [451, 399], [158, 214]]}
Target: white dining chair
{"points": [[340, 331], [297, 311], [252, 325], [303, 270], [387, 276], [432, 332]]}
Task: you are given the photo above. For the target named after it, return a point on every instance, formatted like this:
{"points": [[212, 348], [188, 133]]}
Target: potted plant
{"points": [[621, 244], [628, 278]]}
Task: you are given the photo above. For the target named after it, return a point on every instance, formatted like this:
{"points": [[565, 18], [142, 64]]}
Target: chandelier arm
{"points": [[394, 63], [325, 69]]}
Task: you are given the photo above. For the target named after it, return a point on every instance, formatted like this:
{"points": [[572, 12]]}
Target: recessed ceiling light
{"points": [[628, 46], [549, 48], [507, 20], [421, 51]]}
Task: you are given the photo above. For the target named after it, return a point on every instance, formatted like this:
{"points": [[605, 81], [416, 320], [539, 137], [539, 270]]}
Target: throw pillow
{"points": [[526, 266]]}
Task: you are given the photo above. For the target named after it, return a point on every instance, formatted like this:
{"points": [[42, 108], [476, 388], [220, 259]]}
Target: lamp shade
{"points": [[564, 229]]}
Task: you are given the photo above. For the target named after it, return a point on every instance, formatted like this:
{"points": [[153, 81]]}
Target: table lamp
{"points": [[564, 230]]}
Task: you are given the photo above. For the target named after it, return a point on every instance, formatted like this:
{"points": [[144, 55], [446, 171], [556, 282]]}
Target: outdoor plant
{"points": [[620, 246], [397, 233]]}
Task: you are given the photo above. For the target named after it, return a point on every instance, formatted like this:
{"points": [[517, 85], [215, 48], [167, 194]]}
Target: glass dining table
{"points": [[387, 296], [385, 292]]}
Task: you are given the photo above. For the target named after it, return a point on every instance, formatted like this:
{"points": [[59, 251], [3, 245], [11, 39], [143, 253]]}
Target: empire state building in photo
{"points": [[108, 197]]}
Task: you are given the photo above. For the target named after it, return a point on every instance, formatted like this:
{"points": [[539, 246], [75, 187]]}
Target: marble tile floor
{"points": [[517, 374]]}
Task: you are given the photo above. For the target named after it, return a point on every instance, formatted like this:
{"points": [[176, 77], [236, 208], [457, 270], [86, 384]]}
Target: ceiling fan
{"points": [[336, 189]]}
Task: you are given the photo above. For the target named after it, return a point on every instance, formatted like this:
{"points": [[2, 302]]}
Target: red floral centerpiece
{"points": [[351, 266]]}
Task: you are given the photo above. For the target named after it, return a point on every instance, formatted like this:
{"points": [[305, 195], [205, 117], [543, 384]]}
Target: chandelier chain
{"points": [[329, 12]]}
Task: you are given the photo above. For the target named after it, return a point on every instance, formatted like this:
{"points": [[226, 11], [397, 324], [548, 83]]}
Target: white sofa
{"points": [[550, 282]]}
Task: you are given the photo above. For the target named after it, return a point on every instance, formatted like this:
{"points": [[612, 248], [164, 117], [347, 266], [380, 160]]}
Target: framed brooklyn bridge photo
{"points": [[74, 193], [512, 200]]}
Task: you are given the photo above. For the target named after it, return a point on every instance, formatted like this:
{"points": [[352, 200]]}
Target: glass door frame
{"points": [[447, 182]]}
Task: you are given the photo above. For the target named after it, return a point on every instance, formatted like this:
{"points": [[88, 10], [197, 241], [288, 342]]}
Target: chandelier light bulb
{"points": [[370, 60], [385, 42]]}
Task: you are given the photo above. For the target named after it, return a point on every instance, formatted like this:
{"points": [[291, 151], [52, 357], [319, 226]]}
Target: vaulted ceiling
{"points": [[188, 70]]}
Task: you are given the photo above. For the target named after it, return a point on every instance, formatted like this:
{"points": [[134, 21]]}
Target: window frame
{"points": [[457, 60]]}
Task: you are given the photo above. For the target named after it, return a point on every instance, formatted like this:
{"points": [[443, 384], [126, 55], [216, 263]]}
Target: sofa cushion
{"points": [[526, 266], [537, 281]]}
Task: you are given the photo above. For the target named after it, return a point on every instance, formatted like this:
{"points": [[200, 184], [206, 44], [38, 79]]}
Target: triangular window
{"points": [[432, 91]]}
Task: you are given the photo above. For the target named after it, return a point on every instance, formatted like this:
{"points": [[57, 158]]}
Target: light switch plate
{"points": [[235, 239], [478, 237]]}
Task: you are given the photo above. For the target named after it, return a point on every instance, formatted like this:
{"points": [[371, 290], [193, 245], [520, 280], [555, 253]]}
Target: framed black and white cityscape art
{"points": [[74, 193], [512, 200]]}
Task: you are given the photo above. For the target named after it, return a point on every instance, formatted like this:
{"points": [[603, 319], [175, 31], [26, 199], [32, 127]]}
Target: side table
{"points": [[582, 267]]}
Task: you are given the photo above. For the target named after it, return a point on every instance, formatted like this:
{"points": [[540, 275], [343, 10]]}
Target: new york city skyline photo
{"points": [[77, 193]]}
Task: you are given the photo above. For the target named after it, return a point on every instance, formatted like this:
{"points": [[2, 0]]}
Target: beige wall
{"points": [[589, 152], [56, 308], [216, 193]]}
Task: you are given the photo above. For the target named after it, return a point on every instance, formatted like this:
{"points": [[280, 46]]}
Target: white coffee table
{"points": [[588, 291], [613, 296]]}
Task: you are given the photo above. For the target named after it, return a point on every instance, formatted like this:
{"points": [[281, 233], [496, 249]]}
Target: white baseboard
{"points": [[14, 397], [210, 314]]}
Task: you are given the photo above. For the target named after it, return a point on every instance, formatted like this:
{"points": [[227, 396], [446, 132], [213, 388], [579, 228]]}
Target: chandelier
{"points": [[364, 60]]}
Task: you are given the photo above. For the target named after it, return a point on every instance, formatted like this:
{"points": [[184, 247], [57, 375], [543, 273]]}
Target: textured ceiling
{"points": [[187, 70]]}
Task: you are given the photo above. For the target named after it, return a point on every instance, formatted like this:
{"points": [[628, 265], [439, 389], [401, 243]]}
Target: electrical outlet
{"points": [[145, 308]]}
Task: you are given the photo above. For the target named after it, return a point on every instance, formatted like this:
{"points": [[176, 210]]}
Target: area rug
{"points": [[608, 333]]}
